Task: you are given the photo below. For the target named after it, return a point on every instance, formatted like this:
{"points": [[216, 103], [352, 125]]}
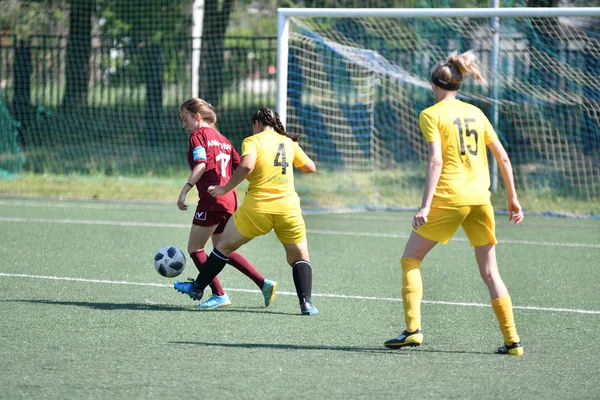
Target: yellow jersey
{"points": [[271, 184], [464, 132]]}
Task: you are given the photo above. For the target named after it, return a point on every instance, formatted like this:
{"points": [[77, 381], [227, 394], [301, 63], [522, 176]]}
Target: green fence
{"points": [[106, 104], [124, 118]]}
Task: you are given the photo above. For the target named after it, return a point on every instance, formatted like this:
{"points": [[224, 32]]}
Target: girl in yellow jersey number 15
{"points": [[457, 194]]}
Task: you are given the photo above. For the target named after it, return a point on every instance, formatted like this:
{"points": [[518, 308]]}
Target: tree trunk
{"points": [[154, 116], [22, 83], [539, 39], [78, 53], [216, 19]]}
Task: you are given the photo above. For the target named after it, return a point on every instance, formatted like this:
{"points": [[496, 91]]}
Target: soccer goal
{"points": [[354, 81]]}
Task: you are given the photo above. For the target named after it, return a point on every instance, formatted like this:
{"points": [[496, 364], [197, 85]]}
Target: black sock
{"points": [[213, 266], [302, 273]]}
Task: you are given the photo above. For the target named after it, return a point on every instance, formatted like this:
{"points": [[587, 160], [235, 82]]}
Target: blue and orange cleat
{"points": [[307, 308], [269, 290], [189, 288], [215, 301]]}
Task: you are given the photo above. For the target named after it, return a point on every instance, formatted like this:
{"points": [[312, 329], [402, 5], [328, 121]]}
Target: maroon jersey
{"points": [[213, 149]]}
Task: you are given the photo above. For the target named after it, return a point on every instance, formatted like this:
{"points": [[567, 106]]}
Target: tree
{"points": [[141, 28], [78, 53], [216, 18], [25, 18], [540, 36]]}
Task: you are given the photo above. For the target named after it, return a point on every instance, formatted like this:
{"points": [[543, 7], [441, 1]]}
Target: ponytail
{"points": [[449, 74], [270, 117]]}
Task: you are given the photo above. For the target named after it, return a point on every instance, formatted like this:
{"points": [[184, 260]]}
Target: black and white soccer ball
{"points": [[169, 261]]}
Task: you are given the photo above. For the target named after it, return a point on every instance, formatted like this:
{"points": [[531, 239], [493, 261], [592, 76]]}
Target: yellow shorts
{"points": [[477, 221], [289, 228]]}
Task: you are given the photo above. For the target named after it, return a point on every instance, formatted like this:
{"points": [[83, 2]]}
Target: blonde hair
{"points": [[452, 70], [200, 107]]}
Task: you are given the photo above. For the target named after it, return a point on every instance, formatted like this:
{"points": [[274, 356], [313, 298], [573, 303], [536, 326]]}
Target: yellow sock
{"points": [[504, 313], [412, 292]]}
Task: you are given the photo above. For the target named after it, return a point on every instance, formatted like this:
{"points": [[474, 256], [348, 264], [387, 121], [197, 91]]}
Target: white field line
{"points": [[100, 205], [312, 231], [337, 296]]}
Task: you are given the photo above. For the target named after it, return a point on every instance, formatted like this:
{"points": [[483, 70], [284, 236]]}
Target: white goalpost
{"points": [[354, 80]]}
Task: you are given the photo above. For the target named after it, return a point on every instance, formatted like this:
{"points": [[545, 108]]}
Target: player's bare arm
{"points": [[515, 212], [309, 167], [194, 177], [246, 166], [434, 169]]}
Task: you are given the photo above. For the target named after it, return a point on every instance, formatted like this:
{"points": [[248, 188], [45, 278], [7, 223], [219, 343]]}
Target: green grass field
{"points": [[85, 315]]}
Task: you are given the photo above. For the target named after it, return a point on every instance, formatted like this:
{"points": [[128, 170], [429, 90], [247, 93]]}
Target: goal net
{"points": [[11, 156], [353, 82]]}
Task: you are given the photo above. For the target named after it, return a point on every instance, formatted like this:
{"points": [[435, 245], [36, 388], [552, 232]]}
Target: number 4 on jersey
{"points": [[280, 159]]}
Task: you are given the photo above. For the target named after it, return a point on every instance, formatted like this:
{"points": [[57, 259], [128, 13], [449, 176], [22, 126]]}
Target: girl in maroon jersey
{"points": [[212, 159]]}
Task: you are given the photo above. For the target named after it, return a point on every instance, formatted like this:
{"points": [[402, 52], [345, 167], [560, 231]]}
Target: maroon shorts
{"points": [[211, 218]]}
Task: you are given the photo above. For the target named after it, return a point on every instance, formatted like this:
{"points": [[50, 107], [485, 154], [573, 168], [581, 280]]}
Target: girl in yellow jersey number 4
{"points": [[457, 194], [271, 203]]}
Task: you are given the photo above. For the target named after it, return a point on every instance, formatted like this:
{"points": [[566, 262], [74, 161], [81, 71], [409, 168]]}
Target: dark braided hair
{"points": [[270, 117]]}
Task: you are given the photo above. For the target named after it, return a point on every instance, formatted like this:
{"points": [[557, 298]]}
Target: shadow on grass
{"points": [[256, 310], [378, 350], [260, 310], [294, 347], [149, 307], [108, 306]]}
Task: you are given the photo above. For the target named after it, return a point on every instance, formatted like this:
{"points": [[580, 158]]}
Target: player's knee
{"points": [[228, 244], [292, 259], [225, 249], [296, 257], [297, 252], [490, 278], [409, 263]]}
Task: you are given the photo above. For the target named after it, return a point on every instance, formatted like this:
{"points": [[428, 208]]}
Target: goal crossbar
{"points": [[440, 12]]}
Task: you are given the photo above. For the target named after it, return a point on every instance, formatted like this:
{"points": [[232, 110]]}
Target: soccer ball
{"points": [[169, 261]]}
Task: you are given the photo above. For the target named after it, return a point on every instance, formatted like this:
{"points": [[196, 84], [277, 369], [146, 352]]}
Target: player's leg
{"points": [[238, 231], [230, 241], [415, 251], [202, 228], [210, 269], [480, 229], [291, 232], [218, 298], [298, 258], [501, 301], [441, 225], [488, 269], [239, 262], [198, 238]]}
